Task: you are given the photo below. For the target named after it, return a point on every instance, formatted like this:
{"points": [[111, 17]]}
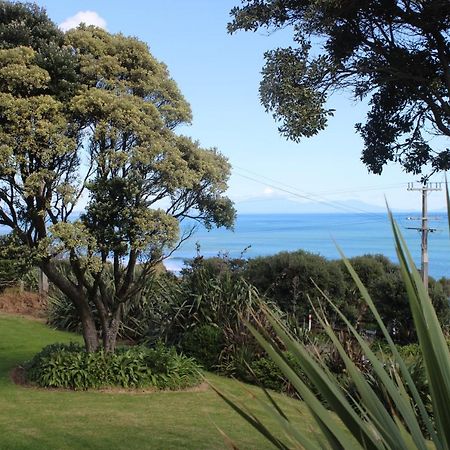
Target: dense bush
{"points": [[205, 343], [214, 293], [288, 279], [384, 282], [70, 366], [15, 262]]}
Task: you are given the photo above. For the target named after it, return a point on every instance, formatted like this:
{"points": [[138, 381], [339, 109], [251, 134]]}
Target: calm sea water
{"points": [[356, 234]]}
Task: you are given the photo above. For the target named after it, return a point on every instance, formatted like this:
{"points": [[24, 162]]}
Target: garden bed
{"points": [[69, 366]]}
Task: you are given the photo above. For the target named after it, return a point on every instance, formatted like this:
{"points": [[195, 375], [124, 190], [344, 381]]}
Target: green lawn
{"points": [[38, 419]]}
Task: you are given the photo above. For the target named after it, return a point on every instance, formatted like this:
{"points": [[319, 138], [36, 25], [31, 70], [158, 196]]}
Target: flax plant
{"points": [[364, 420]]}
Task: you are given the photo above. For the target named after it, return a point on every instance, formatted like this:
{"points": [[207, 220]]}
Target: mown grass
{"points": [[38, 419]]}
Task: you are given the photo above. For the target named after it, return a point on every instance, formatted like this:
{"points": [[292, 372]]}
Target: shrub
{"points": [[384, 282], [15, 261], [146, 317], [268, 374], [205, 343], [70, 366], [61, 312], [286, 277], [215, 295]]}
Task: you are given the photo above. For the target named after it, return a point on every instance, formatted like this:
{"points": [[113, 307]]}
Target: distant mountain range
{"points": [[284, 205]]}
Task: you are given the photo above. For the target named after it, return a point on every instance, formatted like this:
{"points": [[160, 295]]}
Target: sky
{"points": [[219, 75]]}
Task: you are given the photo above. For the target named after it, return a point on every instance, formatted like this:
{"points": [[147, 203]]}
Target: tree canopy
{"points": [[88, 118], [393, 53]]}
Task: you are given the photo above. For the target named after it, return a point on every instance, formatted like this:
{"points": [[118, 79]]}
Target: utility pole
{"points": [[425, 229]]}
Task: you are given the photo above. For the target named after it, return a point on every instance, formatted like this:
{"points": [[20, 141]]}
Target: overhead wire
{"points": [[305, 195], [369, 216]]}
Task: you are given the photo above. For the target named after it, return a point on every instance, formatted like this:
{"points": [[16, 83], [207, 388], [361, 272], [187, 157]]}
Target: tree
{"points": [[88, 116], [394, 53]]}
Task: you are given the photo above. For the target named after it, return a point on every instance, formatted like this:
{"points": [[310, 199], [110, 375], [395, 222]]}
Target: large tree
{"points": [[394, 53], [88, 116]]}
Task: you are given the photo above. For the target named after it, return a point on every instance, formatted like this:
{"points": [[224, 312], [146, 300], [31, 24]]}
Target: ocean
{"points": [[356, 234]]}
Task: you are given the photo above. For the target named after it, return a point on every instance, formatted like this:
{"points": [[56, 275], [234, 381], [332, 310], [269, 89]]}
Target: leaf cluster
{"points": [[395, 53], [71, 367]]}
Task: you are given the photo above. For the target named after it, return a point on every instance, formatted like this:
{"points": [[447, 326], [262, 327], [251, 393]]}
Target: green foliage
{"points": [[268, 374], [70, 366], [61, 312], [147, 316], [205, 343], [290, 280], [383, 280], [15, 261], [392, 54], [215, 294], [286, 278], [101, 98], [404, 420]]}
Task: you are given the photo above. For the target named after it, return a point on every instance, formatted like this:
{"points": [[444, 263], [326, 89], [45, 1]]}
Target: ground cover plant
{"points": [[35, 419], [70, 366]]}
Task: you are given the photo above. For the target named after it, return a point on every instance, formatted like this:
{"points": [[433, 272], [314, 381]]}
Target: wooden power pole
{"points": [[425, 188]]}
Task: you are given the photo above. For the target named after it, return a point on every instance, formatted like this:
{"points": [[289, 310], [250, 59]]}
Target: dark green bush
{"points": [[16, 261], [286, 278], [205, 343], [289, 279], [70, 366], [268, 374], [383, 280]]}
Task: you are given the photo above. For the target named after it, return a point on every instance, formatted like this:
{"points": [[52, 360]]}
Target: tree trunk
{"points": [[90, 334], [79, 299], [110, 336], [111, 331]]}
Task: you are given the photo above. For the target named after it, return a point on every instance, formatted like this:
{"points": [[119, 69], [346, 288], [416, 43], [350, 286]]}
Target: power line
{"points": [[314, 198], [320, 193], [306, 195]]}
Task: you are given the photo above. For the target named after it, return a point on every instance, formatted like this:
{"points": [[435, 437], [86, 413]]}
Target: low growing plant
{"points": [[70, 366]]}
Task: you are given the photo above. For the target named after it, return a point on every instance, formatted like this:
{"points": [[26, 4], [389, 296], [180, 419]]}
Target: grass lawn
{"points": [[38, 419]]}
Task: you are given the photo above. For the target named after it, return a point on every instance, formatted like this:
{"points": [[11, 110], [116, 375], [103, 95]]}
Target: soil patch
{"points": [[24, 303]]}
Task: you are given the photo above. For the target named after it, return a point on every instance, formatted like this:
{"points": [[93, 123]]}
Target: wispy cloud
{"points": [[86, 17]]}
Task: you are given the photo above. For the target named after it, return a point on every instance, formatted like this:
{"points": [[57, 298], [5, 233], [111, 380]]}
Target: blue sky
{"points": [[219, 75]]}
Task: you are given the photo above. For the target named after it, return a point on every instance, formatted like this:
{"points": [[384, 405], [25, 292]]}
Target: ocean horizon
{"points": [[356, 234]]}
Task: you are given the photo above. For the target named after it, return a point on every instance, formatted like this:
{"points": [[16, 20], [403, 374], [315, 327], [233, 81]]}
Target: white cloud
{"points": [[268, 191], [86, 17]]}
